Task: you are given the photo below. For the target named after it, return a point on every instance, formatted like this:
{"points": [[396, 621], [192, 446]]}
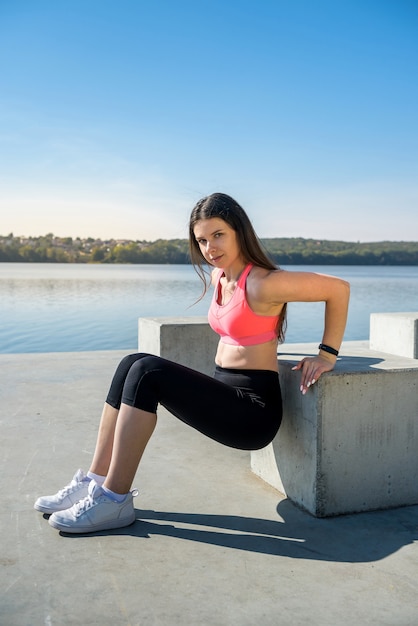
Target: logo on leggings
{"points": [[249, 393]]}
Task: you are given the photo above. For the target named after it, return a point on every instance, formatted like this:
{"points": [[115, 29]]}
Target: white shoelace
{"points": [[83, 505], [68, 488]]}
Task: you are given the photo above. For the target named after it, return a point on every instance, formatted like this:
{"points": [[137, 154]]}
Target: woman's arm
{"points": [[284, 286]]}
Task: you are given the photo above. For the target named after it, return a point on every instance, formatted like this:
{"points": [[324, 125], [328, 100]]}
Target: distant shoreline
{"points": [[283, 251]]}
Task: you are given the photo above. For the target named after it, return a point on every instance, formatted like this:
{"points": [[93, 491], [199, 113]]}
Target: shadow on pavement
{"points": [[359, 538]]}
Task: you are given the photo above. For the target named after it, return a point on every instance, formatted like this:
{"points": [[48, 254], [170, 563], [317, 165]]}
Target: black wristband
{"points": [[325, 348]]}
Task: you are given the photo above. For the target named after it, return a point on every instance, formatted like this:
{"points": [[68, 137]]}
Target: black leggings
{"points": [[238, 408]]}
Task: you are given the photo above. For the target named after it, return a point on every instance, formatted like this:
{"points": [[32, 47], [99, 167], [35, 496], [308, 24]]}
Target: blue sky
{"points": [[117, 116]]}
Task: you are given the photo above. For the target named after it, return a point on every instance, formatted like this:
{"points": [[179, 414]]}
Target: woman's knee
{"points": [[127, 361], [143, 362], [119, 378], [142, 383]]}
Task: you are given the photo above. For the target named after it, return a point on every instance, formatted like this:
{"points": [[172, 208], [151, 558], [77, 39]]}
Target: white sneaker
{"points": [[97, 511], [72, 493]]}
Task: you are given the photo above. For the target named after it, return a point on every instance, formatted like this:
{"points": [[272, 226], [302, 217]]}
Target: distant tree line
{"points": [[283, 251], [299, 251]]}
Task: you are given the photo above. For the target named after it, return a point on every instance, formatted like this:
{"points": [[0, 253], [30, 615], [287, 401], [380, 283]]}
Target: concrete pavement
{"points": [[213, 545]]}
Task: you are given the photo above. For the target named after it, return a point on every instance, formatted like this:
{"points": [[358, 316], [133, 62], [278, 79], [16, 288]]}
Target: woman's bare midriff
{"points": [[262, 356]]}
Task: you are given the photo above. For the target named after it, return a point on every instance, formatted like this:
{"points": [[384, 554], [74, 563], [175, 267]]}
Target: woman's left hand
{"points": [[312, 368]]}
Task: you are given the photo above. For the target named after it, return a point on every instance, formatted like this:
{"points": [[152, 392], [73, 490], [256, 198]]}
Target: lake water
{"points": [[66, 307]]}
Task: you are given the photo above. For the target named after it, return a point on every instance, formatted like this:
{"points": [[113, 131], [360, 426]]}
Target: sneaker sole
{"points": [[109, 525], [45, 509]]}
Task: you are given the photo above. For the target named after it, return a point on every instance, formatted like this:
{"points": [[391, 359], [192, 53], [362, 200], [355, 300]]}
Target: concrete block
{"points": [[395, 333], [350, 444], [189, 341]]}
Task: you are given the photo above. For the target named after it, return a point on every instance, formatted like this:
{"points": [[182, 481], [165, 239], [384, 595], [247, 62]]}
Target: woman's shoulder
{"points": [[263, 282], [264, 291], [263, 275]]}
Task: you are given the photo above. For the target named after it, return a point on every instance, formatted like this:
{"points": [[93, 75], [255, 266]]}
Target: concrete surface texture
{"points": [[213, 545], [395, 333], [186, 340], [351, 444]]}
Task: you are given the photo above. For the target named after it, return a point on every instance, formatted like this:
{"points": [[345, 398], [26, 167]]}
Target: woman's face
{"points": [[218, 242]]}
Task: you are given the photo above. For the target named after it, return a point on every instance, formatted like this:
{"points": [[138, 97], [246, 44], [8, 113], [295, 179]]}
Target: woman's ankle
{"points": [[96, 477]]}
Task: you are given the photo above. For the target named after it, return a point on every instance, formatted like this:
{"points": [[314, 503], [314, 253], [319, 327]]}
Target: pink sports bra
{"points": [[236, 322]]}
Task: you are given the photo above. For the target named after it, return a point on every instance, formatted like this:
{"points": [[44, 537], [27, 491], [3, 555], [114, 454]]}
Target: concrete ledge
{"points": [[189, 341], [396, 333], [350, 443]]}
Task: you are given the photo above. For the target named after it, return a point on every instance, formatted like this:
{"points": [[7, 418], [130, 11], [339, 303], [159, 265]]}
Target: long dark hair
{"points": [[226, 208]]}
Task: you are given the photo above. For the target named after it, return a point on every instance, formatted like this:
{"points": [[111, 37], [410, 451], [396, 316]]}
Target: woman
{"points": [[241, 405]]}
